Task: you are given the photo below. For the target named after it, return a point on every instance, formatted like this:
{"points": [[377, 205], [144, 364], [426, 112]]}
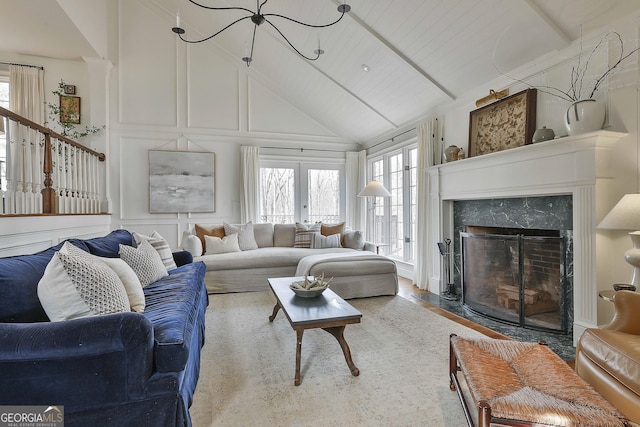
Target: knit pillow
{"points": [[303, 234], [159, 244], [145, 262], [125, 273], [353, 240], [73, 287], [246, 238]]}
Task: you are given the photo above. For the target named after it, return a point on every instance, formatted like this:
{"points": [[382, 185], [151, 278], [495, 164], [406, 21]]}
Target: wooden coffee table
{"points": [[327, 311]]}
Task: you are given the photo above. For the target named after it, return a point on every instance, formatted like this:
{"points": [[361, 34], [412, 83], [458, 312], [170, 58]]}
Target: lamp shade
{"points": [[624, 216], [374, 189]]}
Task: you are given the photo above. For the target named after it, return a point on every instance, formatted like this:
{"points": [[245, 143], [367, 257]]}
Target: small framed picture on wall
{"points": [[69, 89]]}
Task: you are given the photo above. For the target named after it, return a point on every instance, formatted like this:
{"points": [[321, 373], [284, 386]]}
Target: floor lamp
{"points": [[626, 216], [374, 189]]}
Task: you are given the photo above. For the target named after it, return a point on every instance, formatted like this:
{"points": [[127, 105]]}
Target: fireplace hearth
{"points": [[516, 276]]}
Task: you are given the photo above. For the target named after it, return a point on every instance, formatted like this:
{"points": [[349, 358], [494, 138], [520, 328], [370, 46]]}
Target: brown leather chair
{"points": [[609, 358]]}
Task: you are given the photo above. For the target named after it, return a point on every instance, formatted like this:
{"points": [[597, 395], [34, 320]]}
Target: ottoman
{"points": [[355, 274], [514, 383]]}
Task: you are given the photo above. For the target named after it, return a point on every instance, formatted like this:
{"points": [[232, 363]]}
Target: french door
{"points": [[302, 192]]}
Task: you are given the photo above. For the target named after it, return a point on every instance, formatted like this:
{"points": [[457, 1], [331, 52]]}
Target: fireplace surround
{"points": [[577, 167]]}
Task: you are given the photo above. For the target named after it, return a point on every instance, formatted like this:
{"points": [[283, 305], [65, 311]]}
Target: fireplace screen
{"points": [[515, 277]]}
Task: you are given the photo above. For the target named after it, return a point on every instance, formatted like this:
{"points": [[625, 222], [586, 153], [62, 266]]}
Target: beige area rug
{"points": [[248, 365]]}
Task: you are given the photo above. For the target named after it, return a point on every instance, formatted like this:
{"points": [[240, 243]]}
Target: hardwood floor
{"points": [[406, 288]]}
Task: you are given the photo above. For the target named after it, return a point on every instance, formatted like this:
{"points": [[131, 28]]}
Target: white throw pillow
{"points": [[145, 261], [303, 234], [130, 281], [127, 276], [354, 240], [191, 243], [159, 244], [77, 286], [318, 241], [216, 245], [246, 238]]}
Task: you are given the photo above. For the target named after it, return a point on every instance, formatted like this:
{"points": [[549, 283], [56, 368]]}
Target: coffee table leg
{"points": [[299, 332], [275, 311], [338, 333]]}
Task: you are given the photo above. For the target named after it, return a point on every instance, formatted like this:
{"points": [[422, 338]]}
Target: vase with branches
{"points": [[62, 123], [585, 113]]}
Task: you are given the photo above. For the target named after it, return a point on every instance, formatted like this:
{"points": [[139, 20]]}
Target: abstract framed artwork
{"points": [[505, 124], [70, 109], [181, 181]]}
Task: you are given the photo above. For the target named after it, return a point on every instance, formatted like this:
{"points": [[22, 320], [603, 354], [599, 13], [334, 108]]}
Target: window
{"points": [[302, 192], [394, 218]]}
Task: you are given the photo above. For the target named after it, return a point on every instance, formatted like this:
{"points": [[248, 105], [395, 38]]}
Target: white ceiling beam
{"points": [[396, 52], [531, 9]]}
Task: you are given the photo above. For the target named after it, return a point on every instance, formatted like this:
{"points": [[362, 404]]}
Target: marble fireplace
{"points": [[562, 185]]}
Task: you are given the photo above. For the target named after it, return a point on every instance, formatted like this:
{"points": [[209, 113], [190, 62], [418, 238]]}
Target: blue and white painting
{"points": [[181, 181]]}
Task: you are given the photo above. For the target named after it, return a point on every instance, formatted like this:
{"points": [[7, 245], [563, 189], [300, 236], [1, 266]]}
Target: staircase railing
{"points": [[48, 173]]}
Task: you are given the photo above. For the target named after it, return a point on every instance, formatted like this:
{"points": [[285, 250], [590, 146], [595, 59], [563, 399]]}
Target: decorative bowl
{"points": [[307, 293]]}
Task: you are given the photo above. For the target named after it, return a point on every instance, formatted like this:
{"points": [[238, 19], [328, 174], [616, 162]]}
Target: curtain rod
{"points": [[23, 65], [392, 138], [304, 149]]}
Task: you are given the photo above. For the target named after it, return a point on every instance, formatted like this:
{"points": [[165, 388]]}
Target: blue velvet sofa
{"points": [[125, 369]]}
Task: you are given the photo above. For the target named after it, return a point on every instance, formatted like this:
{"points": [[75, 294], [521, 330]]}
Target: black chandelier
{"points": [[258, 18]]}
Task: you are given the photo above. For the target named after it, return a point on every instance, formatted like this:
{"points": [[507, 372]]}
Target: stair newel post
{"points": [[48, 194]]}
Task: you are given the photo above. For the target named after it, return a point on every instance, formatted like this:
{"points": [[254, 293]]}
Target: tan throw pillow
{"points": [[303, 234], [203, 231], [329, 229]]}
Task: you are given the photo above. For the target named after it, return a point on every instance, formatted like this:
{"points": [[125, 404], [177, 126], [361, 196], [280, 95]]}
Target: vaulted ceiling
{"points": [[421, 53]]}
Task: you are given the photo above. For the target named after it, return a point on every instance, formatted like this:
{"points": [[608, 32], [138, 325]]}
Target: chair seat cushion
{"points": [[616, 353]]}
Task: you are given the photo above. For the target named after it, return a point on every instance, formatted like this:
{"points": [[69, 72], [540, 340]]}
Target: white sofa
{"points": [[357, 271]]}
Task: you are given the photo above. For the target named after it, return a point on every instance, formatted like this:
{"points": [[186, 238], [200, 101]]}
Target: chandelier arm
{"points": [[292, 46], [253, 40], [220, 8], [260, 7], [303, 23], [213, 35]]}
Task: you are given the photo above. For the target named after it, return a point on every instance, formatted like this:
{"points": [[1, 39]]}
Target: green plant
{"points": [[63, 125]]}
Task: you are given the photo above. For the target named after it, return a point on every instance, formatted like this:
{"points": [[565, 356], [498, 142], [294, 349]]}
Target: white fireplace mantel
{"points": [[580, 166]]}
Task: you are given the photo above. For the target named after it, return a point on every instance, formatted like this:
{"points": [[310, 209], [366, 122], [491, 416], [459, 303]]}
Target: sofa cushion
{"points": [[617, 353], [263, 234], [159, 244], [318, 241], [145, 261], [216, 245], [246, 238], [201, 231], [303, 234], [173, 303], [284, 235], [74, 286], [19, 276], [109, 245]]}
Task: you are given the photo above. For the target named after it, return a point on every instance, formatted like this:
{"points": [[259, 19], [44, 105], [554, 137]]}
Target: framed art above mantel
{"points": [[505, 124]]}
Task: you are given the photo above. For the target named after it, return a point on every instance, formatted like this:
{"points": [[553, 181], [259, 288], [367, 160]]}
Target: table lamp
{"points": [[626, 216]]}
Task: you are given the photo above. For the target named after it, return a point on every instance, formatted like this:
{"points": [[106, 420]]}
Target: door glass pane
{"points": [[413, 183], [396, 169], [278, 195], [378, 206], [324, 195]]}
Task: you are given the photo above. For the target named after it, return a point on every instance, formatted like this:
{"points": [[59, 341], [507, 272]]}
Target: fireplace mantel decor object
{"points": [[508, 123]]}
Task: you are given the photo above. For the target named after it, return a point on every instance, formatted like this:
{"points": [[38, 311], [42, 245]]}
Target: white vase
{"points": [[586, 115]]}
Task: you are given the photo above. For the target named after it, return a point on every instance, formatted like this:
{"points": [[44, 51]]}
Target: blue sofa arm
{"points": [[82, 363], [182, 257]]}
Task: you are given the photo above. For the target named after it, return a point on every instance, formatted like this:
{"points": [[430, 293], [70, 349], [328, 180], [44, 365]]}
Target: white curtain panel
{"points": [[24, 153], [250, 191], [427, 151], [356, 175]]}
